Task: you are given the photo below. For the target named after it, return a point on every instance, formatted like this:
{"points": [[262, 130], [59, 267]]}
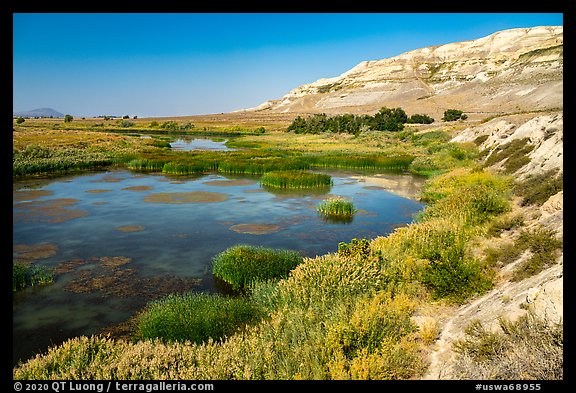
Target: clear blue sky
{"points": [[161, 64]]}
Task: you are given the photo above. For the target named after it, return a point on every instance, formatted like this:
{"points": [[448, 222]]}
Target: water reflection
{"points": [[189, 143], [336, 219], [115, 251]]}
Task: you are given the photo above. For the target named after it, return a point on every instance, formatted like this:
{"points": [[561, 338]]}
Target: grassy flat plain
{"points": [[50, 145], [346, 315]]}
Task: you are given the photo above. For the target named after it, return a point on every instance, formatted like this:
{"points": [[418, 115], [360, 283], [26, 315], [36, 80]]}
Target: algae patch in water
{"points": [[255, 229], [97, 191], [51, 210], [25, 195], [138, 188], [186, 197], [111, 276], [131, 228], [230, 183], [26, 254], [108, 179]]}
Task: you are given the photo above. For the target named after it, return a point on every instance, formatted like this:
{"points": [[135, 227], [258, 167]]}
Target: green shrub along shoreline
{"points": [[344, 315]]}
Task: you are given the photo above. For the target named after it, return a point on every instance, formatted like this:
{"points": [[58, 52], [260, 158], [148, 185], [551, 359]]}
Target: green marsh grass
{"points": [[33, 275], [336, 207], [18, 276], [258, 164], [195, 317], [188, 168], [295, 180], [360, 161], [146, 165], [242, 265], [41, 160]]}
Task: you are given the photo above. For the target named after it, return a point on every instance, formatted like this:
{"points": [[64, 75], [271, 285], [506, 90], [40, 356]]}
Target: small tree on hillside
{"points": [[68, 118], [420, 119], [389, 119], [454, 114]]}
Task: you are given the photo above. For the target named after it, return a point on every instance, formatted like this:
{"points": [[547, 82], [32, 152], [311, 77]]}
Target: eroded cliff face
{"points": [[509, 71], [540, 294]]}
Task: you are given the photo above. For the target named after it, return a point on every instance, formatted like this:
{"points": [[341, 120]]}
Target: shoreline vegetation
{"points": [[49, 146], [346, 315]]}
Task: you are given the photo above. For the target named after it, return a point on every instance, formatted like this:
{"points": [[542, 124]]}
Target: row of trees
{"points": [[67, 119], [386, 119]]}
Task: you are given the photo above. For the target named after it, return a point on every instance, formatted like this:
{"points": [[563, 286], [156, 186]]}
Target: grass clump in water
{"points": [[145, 165], [195, 317], [336, 207], [295, 179], [242, 265], [248, 163], [33, 275]]}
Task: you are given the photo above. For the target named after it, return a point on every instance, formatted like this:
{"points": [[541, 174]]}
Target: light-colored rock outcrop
{"points": [[508, 71], [541, 294], [545, 134]]}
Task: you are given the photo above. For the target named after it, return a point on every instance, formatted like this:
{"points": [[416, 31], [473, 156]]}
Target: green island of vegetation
{"points": [[344, 315], [295, 179], [336, 207]]}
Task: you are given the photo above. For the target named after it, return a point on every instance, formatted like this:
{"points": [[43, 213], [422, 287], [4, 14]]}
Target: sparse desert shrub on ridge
{"points": [[527, 348]]}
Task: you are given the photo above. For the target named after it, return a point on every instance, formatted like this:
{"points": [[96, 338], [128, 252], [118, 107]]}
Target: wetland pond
{"points": [[118, 239], [188, 143]]}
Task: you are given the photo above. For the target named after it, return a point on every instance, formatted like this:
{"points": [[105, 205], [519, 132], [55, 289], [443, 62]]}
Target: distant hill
{"points": [[40, 112], [509, 71]]}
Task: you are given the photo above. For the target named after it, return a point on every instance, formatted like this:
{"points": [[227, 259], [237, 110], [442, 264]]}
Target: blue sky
{"points": [[162, 64]]}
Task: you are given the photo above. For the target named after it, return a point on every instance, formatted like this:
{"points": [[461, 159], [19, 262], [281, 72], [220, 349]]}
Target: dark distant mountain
{"points": [[41, 112]]}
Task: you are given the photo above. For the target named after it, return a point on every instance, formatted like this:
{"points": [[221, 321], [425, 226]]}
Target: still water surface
{"points": [[119, 239], [189, 143]]}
